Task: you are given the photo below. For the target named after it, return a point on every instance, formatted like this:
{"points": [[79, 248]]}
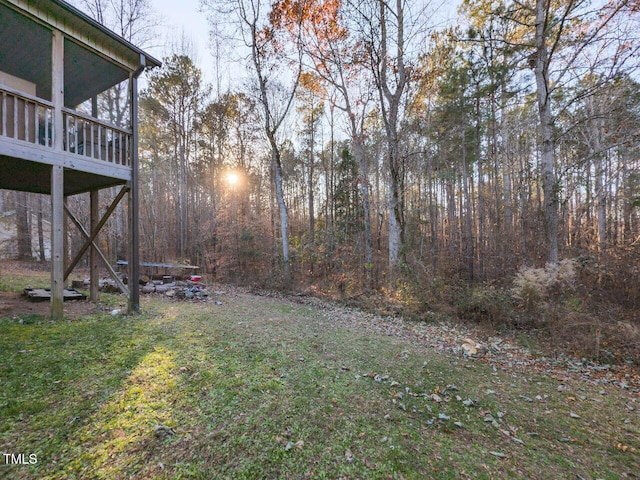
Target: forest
{"points": [[372, 152]]}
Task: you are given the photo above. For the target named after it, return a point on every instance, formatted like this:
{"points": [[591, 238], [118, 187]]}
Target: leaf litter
{"points": [[472, 344]]}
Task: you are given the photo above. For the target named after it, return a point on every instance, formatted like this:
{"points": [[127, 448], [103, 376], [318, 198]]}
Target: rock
{"points": [[162, 431], [471, 348]]}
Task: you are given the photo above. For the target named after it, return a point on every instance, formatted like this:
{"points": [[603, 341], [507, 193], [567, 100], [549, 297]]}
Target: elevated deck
{"points": [[95, 153], [68, 125]]}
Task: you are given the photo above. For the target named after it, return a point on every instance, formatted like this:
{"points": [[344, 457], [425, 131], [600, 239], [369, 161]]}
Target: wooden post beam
{"points": [[57, 242], [94, 272], [94, 233], [86, 235], [134, 200], [57, 179], [94, 199]]}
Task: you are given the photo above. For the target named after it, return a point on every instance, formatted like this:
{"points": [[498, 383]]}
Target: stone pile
{"points": [[181, 289]]}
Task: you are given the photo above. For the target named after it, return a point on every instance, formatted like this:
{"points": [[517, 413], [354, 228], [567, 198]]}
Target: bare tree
{"points": [[276, 66], [339, 60], [563, 32]]}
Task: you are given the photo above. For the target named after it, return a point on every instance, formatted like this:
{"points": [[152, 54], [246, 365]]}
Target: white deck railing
{"points": [[84, 135], [30, 119], [26, 118]]}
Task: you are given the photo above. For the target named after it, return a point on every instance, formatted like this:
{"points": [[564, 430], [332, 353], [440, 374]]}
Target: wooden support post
{"points": [[57, 179], [57, 88], [134, 231], [57, 242], [94, 274]]}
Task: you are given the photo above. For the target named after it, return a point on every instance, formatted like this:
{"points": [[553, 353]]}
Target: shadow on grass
{"points": [[79, 394]]}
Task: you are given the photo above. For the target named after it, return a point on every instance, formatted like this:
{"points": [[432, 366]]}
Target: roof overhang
{"points": [[95, 57]]}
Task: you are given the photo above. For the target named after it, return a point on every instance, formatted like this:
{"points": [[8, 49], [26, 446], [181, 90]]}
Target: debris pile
{"points": [[183, 289]]}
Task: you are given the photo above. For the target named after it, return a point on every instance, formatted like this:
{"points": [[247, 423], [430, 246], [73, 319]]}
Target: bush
{"points": [[533, 288], [484, 305]]}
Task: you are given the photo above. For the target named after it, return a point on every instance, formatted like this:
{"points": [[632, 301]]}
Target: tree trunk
{"points": [[22, 226], [310, 185], [395, 223], [390, 106], [284, 215], [468, 213], [547, 158], [41, 250], [358, 150]]}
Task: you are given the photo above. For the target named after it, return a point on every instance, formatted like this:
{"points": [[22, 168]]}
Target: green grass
{"points": [[260, 388], [16, 282]]}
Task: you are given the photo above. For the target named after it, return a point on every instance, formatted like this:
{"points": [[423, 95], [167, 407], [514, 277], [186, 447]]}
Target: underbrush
{"points": [[566, 306], [556, 304]]}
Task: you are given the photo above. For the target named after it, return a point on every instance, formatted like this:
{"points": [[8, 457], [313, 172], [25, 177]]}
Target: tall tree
{"points": [[339, 59], [311, 107], [271, 32], [175, 95], [386, 48], [558, 34], [23, 230]]}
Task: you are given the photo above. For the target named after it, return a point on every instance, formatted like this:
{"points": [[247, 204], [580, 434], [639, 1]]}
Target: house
{"points": [[56, 66]]}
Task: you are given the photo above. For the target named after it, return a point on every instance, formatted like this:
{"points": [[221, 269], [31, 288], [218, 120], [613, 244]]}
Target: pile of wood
{"points": [[44, 294], [184, 289], [168, 286]]}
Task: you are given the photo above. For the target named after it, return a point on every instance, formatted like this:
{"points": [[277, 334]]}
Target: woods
{"points": [[369, 152], [478, 149]]}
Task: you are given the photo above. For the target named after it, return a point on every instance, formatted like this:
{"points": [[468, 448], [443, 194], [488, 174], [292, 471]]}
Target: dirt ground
{"points": [[16, 304]]}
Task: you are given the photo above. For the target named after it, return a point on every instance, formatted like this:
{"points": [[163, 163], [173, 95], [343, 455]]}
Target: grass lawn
{"points": [[264, 388]]}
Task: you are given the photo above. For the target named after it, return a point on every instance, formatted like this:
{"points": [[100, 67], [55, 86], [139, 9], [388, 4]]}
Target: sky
{"points": [[182, 17]]}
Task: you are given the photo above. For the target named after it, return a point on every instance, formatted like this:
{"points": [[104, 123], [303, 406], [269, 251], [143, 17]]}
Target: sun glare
{"points": [[233, 178]]}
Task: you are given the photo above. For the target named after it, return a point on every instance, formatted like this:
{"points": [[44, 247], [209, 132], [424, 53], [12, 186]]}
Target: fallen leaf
{"points": [[349, 456], [498, 454], [625, 448]]}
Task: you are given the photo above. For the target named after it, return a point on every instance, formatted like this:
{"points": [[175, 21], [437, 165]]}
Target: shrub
{"points": [[484, 305], [534, 287]]}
